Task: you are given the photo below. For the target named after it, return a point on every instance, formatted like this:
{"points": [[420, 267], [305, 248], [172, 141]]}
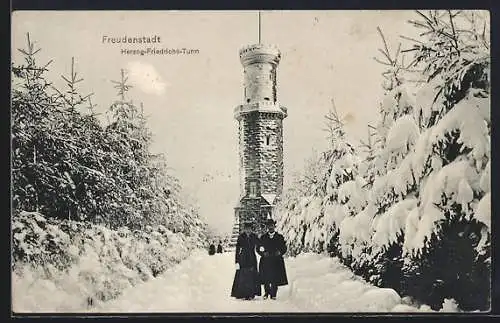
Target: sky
{"points": [[189, 98]]}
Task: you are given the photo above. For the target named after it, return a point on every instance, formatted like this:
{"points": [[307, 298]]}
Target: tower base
{"points": [[255, 211]]}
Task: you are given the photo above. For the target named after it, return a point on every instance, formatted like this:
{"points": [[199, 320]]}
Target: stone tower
{"points": [[260, 131]]}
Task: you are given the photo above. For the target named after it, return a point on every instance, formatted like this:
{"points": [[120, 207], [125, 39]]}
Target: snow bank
{"points": [[321, 284], [30, 293], [67, 266]]}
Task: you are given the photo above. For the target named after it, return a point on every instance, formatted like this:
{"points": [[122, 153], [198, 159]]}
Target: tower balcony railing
{"points": [[262, 106]]}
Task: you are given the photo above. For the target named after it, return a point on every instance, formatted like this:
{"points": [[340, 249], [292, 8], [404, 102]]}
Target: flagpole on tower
{"points": [[259, 26]]}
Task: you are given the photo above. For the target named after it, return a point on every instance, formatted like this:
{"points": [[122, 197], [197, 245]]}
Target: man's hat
{"points": [[270, 221]]}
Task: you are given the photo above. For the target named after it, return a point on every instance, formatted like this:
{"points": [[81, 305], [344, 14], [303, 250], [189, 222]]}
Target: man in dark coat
{"points": [[219, 247], [246, 282], [271, 248]]}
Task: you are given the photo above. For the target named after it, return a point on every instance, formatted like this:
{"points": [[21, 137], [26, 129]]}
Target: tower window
{"points": [[248, 100], [266, 98], [253, 189], [268, 140]]}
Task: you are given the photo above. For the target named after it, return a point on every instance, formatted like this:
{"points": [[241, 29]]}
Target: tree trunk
{"points": [[36, 192]]}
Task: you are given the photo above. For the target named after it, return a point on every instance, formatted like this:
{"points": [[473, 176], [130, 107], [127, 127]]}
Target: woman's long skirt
{"points": [[246, 283]]}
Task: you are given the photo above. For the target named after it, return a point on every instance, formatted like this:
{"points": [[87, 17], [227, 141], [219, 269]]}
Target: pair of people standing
{"points": [[271, 269], [211, 249]]}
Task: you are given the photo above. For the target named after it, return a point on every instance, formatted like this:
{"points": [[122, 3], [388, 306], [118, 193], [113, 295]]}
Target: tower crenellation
{"points": [[260, 53]]}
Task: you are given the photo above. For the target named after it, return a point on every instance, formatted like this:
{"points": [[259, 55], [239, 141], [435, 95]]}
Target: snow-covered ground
{"points": [[202, 283]]}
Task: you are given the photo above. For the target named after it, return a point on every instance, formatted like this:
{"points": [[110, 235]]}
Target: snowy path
{"points": [[202, 283]]}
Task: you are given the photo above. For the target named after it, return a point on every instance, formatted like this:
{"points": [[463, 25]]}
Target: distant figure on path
{"points": [[271, 248], [211, 249], [246, 284], [219, 248]]}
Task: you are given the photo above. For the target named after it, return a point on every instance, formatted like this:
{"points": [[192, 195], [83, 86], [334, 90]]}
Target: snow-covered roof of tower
{"points": [[269, 198], [260, 53]]}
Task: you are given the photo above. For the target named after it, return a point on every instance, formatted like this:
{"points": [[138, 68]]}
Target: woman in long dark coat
{"points": [[246, 282], [272, 270]]}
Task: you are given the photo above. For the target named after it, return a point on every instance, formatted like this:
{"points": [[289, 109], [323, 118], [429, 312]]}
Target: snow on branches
{"points": [[67, 165], [423, 188]]}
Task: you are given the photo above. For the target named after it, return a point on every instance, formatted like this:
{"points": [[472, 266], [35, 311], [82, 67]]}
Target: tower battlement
{"points": [[260, 53]]}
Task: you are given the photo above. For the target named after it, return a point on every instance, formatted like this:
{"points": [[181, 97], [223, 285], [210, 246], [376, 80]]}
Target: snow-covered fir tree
{"points": [[94, 210], [326, 190], [418, 218], [452, 160]]}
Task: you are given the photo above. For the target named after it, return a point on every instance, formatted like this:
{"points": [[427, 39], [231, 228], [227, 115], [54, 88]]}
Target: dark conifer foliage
{"points": [[68, 165]]}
